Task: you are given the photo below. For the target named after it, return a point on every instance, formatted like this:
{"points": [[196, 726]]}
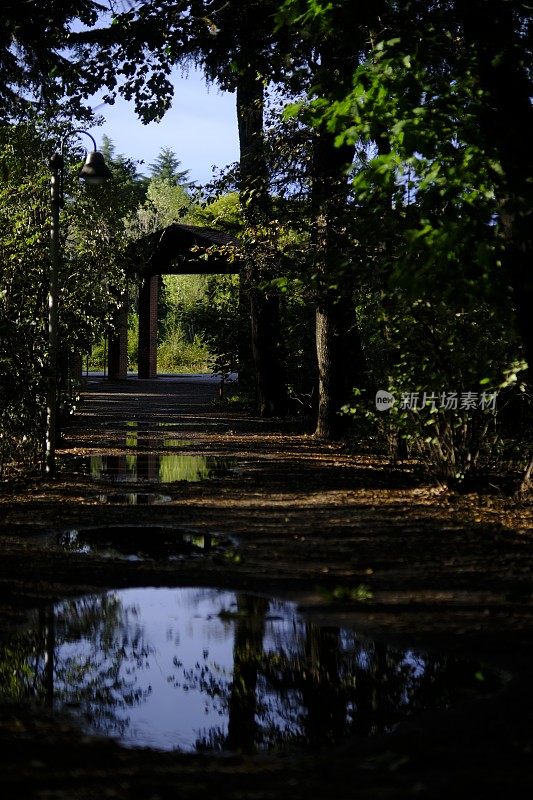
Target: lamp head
{"points": [[95, 170]]}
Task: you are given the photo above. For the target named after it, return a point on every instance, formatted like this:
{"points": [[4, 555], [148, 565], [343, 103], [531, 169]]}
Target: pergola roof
{"points": [[187, 249]]}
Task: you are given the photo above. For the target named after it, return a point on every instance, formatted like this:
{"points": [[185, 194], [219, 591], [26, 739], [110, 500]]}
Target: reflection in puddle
{"points": [[139, 542], [193, 422], [134, 440], [195, 669], [134, 499], [165, 468]]}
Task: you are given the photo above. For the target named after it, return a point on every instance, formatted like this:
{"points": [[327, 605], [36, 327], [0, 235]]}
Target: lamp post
{"points": [[94, 171]]}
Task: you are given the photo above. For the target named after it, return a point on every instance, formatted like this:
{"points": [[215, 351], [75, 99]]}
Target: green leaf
{"points": [[292, 110]]}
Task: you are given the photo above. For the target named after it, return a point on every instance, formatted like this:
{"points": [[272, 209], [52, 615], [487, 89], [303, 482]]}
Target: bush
{"points": [[452, 375], [176, 354]]}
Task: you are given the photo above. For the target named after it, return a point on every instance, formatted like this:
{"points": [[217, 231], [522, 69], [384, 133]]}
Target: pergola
{"points": [[174, 250]]}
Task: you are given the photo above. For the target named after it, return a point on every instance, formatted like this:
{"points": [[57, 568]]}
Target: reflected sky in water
{"points": [[195, 669]]}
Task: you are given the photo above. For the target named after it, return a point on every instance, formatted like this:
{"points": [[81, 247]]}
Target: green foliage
{"points": [[182, 292], [91, 277], [432, 302], [98, 356], [218, 318], [342, 594], [176, 354], [169, 202], [432, 356], [24, 237], [223, 211], [133, 340], [164, 203], [33, 66], [181, 347], [298, 326]]}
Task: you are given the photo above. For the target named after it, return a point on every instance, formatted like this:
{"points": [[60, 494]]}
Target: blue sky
{"points": [[201, 128]]}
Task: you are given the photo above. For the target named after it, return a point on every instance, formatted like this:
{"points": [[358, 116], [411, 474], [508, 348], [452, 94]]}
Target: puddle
{"points": [[197, 669], [153, 467], [139, 542], [136, 439], [134, 499], [132, 426], [196, 422]]}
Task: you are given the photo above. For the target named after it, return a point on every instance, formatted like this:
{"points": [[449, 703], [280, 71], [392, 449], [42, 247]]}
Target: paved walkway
{"points": [[181, 377]]}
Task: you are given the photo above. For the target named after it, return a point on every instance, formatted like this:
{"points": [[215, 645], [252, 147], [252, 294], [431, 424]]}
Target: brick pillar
{"points": [[117, 358], [148, 327]]}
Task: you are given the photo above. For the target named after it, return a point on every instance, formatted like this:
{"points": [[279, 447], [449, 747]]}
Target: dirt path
{"points": [[452, 573]]}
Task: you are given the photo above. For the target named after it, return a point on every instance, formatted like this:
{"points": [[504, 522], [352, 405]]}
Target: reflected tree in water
{"points": [[300, 684], [282, 681], [153, 467], [81, 654], [248, 655]]}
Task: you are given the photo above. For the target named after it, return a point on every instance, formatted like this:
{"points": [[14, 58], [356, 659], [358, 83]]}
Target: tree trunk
{"points": [[340, 362], [506, 124], [258, 269], [338, 344]]}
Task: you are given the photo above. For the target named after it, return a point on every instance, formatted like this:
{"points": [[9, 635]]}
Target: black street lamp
{"points": [[94, 171]]}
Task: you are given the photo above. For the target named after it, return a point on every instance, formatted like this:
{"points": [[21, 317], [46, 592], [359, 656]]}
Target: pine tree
{"points": [[166, 168]]}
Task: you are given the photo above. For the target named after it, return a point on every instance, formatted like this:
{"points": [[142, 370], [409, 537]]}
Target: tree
{"points": [[427, 189], [499, 34], [91, 275], [165, 168], [474, 57], [34, 70], [336, 37], [242, 60], [23, 264], [217, 317]]}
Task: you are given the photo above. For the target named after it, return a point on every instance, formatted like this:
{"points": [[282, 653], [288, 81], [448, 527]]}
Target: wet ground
{"points": [[342, 548]]}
